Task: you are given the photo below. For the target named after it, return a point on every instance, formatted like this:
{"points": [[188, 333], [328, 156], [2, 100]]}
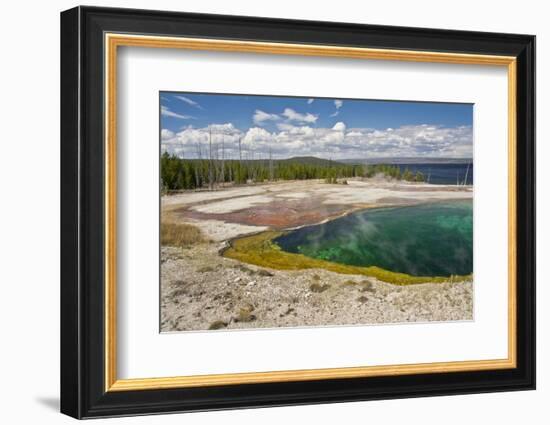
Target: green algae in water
{"points": [[433, 239]]}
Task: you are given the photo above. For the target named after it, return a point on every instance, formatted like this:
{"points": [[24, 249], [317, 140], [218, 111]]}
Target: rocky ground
{"points": [[202, 290]]}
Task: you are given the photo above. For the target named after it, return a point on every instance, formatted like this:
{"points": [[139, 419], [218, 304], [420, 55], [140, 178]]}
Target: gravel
{"points": [[201, 290]]}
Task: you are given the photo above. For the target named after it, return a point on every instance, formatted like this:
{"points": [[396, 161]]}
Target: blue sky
{"points": [[335, 128]]}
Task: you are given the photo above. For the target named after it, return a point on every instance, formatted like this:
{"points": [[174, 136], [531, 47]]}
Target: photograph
{"points": [[284, 211]]}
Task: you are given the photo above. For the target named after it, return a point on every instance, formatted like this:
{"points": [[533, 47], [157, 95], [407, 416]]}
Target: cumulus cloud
{"points": [[227, 129], [413, 141], [338, 142], [189, 101], [167, 112], [189, 137], [166, 134], [292, 115], [285, 126], [260, 116], [257, 136], [339, 126]]}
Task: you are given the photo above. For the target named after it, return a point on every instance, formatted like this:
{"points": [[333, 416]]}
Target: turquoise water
{"points": [[433, 239]]}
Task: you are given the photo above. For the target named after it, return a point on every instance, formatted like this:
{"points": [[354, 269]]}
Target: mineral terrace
{"points": [[201, 289]]}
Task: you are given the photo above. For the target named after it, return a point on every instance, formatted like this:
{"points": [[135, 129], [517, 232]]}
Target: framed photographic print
{"points": [[261, 212]]}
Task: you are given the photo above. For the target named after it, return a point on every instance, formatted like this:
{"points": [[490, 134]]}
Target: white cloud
{"points": [[189, 101], [310, 101], [337, 142], [226, 129], [165, 111], [304, 131], [284, 126], [257, 135], [166, 134], [413, 141], [292, 115], [260, 116], [338, 104], [339, 126], [196, 142]]}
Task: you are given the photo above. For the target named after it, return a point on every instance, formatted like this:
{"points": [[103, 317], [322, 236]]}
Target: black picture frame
{"points": [[83, 392]]}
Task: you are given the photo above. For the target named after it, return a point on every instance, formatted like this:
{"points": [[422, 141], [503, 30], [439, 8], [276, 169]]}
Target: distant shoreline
{"points": [[404, 161]]}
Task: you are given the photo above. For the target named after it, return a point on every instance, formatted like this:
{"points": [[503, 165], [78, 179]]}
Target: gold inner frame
{"points": [[113, 41]]}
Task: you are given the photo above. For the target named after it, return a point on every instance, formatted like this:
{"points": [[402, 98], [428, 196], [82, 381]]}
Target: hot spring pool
{"points": [[433, 239]]}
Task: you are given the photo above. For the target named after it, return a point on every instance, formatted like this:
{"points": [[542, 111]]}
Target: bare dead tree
{"points": [[240, 161], [466, 176], [270, 165], [254, 167], [222, 178], [216, 164], [230, 169], [210, 162], [198, 182], [240, 152]]}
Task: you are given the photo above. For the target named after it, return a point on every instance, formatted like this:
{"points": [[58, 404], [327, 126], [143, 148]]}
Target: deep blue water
{"points": [[442, 173]]}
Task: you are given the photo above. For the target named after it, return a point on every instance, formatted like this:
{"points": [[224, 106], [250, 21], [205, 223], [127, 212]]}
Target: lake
{"points": [[434, 239], [443, 173]]}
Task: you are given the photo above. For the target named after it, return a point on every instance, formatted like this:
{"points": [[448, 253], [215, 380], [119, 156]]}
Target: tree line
{"points": [[182, 174], [395, 172]]}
